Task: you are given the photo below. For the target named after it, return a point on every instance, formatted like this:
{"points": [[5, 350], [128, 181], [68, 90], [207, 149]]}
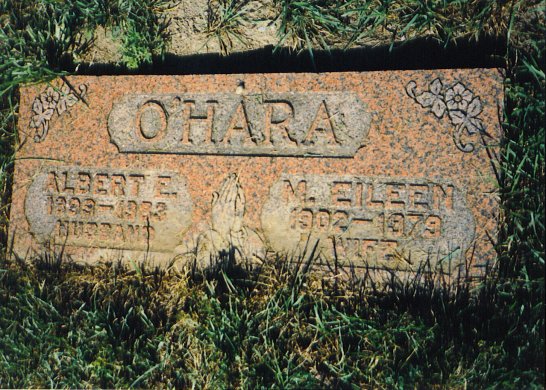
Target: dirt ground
{"points": [[106, 48], [188, 32], [189, 25]]}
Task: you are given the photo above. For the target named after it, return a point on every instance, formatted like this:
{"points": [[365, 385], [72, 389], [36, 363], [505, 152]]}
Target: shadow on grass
{"points": [[274, 324], [419, 53]]}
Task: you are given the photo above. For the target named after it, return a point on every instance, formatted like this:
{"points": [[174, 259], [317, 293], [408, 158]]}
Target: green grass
{"points": [[64, 326], [41, 38], [523, 185], [110, 326], [308, 24], [226, 21], [144, 30], [325, 23]]}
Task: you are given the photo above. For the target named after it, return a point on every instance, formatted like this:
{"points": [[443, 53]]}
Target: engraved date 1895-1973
{"points": [[107, 207]]}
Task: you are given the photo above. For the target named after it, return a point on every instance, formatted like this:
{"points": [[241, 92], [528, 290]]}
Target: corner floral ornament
{"points": [[462, 107], [50, 101]]}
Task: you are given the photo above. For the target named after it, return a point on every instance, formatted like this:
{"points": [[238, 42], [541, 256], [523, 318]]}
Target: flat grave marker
{"points": [[383, 169]]}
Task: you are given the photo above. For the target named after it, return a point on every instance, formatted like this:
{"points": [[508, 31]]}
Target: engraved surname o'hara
{"points": [[272, 124], [107, 207], [383, 222]]}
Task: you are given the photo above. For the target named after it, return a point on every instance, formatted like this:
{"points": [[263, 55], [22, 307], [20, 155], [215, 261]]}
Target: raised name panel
{"points": [[268, 124], [383, 222], [108, 208]]}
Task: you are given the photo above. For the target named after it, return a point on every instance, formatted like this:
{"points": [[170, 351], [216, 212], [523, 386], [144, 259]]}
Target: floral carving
{"points": [[52, 100], [462, 107]]}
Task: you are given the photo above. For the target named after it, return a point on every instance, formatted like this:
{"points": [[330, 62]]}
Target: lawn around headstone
{"points": [[358, 205]]}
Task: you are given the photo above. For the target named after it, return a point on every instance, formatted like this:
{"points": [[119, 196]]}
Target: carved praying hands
{"points": [[228, 208]]}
